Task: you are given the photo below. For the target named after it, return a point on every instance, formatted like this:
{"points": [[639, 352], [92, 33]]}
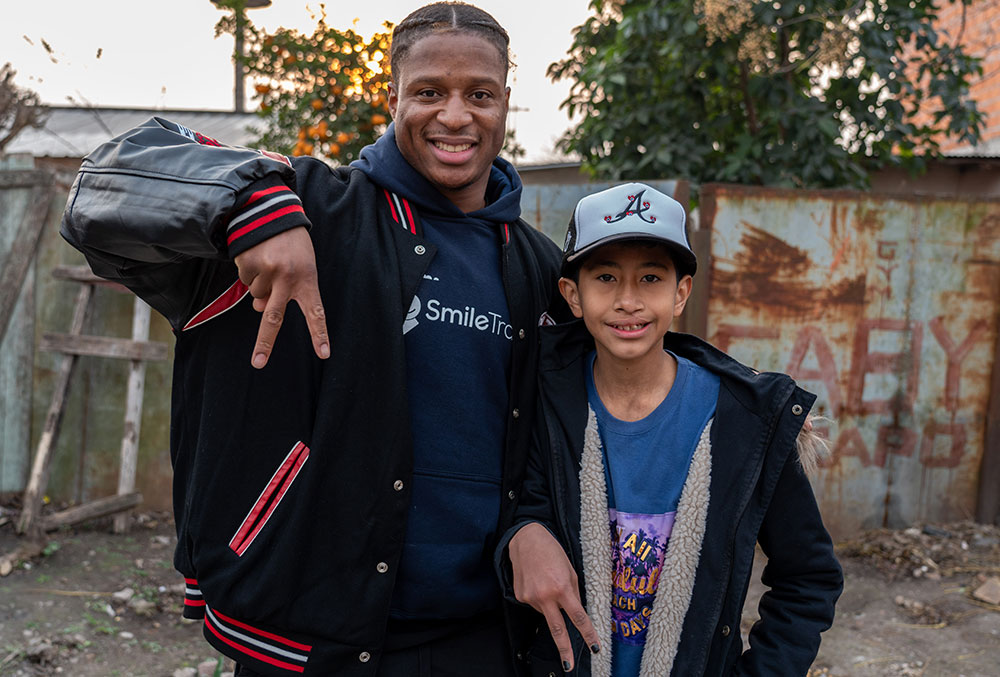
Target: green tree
{"points": [[811, 93], [323, 93]]}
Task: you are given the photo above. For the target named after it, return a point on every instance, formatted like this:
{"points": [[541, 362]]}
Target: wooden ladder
{"points": [[138, 350]]}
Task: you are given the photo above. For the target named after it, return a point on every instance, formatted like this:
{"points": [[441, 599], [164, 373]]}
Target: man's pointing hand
{"points": [[278, 270]]}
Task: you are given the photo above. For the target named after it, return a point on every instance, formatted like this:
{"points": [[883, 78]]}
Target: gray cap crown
{"points": [[631, 211]]}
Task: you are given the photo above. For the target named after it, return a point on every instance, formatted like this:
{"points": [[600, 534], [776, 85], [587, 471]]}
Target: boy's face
{"points": [[627, 294]]}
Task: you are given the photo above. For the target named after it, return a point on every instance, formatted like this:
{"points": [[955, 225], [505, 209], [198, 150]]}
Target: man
{"points": [[337, 513]]}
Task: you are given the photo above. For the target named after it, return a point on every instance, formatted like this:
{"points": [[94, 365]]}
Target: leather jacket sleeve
{"points": [[535, 504], [164, 210]]}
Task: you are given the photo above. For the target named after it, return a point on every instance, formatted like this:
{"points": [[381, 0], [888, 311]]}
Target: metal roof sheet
{"points": [[72, 132]]}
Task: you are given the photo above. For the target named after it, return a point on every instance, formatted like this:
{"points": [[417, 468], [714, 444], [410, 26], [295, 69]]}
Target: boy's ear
{"points": [[571, 292], [683, 294]]}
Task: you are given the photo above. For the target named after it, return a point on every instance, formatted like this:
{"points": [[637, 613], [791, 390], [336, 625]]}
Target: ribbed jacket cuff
{"points": [[263, 210], [194, 603]]}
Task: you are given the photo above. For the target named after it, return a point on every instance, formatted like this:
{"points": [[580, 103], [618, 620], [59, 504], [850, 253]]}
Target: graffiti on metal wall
{"points": [[886, 309]]}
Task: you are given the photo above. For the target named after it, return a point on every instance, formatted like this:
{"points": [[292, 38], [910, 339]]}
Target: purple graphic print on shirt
{"points": [[639, 544]]}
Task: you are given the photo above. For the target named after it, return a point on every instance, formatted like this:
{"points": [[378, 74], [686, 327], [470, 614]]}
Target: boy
{"points": [[689, 456]]}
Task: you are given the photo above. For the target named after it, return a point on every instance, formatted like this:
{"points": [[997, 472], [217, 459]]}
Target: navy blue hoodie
{"points": [[458, 346]]}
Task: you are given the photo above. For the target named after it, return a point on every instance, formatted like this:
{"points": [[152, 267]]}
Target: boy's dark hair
{"points": [[446, 16], [572, 270]]}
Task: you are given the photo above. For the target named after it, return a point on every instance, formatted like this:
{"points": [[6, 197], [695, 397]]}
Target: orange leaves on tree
{"points": [[322, 93]]}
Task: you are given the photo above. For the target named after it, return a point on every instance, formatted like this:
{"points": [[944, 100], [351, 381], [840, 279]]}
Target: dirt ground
{"points": [[97, 604]]}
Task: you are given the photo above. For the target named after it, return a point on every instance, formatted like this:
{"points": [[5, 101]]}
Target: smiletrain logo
{"points": [[411, 320], [467, 316]]}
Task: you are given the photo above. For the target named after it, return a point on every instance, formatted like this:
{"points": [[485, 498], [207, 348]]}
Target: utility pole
{"points": [[239, 12]]}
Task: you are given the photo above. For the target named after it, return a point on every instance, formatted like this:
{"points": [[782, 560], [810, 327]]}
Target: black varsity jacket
{"points": [[291, 483]]}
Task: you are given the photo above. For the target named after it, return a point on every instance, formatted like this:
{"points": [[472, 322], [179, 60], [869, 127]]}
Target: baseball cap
{"points": [[631, 211]]}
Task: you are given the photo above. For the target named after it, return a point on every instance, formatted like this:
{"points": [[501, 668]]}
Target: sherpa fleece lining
{"points": [[673, 596]]}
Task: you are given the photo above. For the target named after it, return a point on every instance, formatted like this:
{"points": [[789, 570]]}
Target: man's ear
{"points": [[393, 99], [571, 292], [683, 294]]}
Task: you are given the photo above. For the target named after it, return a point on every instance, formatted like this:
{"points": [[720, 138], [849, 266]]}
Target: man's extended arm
{"points": [[163, 210], [540, 574]]}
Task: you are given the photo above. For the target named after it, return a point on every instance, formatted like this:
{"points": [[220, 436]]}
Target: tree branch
{"points": [[747, 101]]}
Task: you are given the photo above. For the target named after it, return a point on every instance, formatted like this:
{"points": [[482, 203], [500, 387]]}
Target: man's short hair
{"points": [[446, 16]]}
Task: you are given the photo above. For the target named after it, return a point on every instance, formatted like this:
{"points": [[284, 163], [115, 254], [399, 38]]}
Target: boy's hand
{"points": [[278, 270], [545, 580]]}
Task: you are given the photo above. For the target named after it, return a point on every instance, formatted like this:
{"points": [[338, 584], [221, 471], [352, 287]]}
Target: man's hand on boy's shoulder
{"points": [[545, 580], [278, 270]]}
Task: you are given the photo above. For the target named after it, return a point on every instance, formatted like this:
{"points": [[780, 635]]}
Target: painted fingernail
{"points": [[258, 360], [566, 667], [595, 648]]}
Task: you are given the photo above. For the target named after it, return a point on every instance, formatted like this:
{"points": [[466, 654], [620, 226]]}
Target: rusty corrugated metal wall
{"points": [[887, 309]]}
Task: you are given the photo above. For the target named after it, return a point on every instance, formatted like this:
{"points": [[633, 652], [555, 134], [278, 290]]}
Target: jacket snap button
{"points": [[381, 567], [511, 494], [796, 409], [420, 249], [520, 333], [364, 657], [398, 485], [515, 413], [725, 631]]}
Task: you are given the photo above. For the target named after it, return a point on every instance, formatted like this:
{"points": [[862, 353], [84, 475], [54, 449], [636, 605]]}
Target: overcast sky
{"points": [[164, 55]]}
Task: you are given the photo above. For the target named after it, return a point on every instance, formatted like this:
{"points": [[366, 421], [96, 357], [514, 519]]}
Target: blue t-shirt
{"points": [[646, 464]]}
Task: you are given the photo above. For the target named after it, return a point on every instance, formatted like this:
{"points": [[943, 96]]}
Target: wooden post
{"points": [[133, 412], [696, 312], [102, 507], [988, 498], [14, 267], [39, 479]]}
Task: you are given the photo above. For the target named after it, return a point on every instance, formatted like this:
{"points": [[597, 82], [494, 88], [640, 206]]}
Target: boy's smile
{"points": [[628, 295]]}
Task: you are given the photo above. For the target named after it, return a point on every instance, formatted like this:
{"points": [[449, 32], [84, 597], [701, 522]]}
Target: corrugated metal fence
{"points": [[887, 309]]}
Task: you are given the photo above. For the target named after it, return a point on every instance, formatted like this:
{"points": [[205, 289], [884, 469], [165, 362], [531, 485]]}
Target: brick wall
{"points": [[979, 31]]}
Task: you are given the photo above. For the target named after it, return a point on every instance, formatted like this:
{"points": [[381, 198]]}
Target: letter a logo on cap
{"points": [[635, 206]]}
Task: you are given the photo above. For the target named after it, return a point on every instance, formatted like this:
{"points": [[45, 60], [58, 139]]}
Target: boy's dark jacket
{"points": [[292, 483], [757, 492]]}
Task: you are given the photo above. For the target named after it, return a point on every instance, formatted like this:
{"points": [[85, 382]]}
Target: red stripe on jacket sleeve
{"points": [[264, 209], [267, 218]]}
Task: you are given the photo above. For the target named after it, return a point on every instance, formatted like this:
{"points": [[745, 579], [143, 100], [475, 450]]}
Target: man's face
{"points": [[627, 294], [449, 105]]}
